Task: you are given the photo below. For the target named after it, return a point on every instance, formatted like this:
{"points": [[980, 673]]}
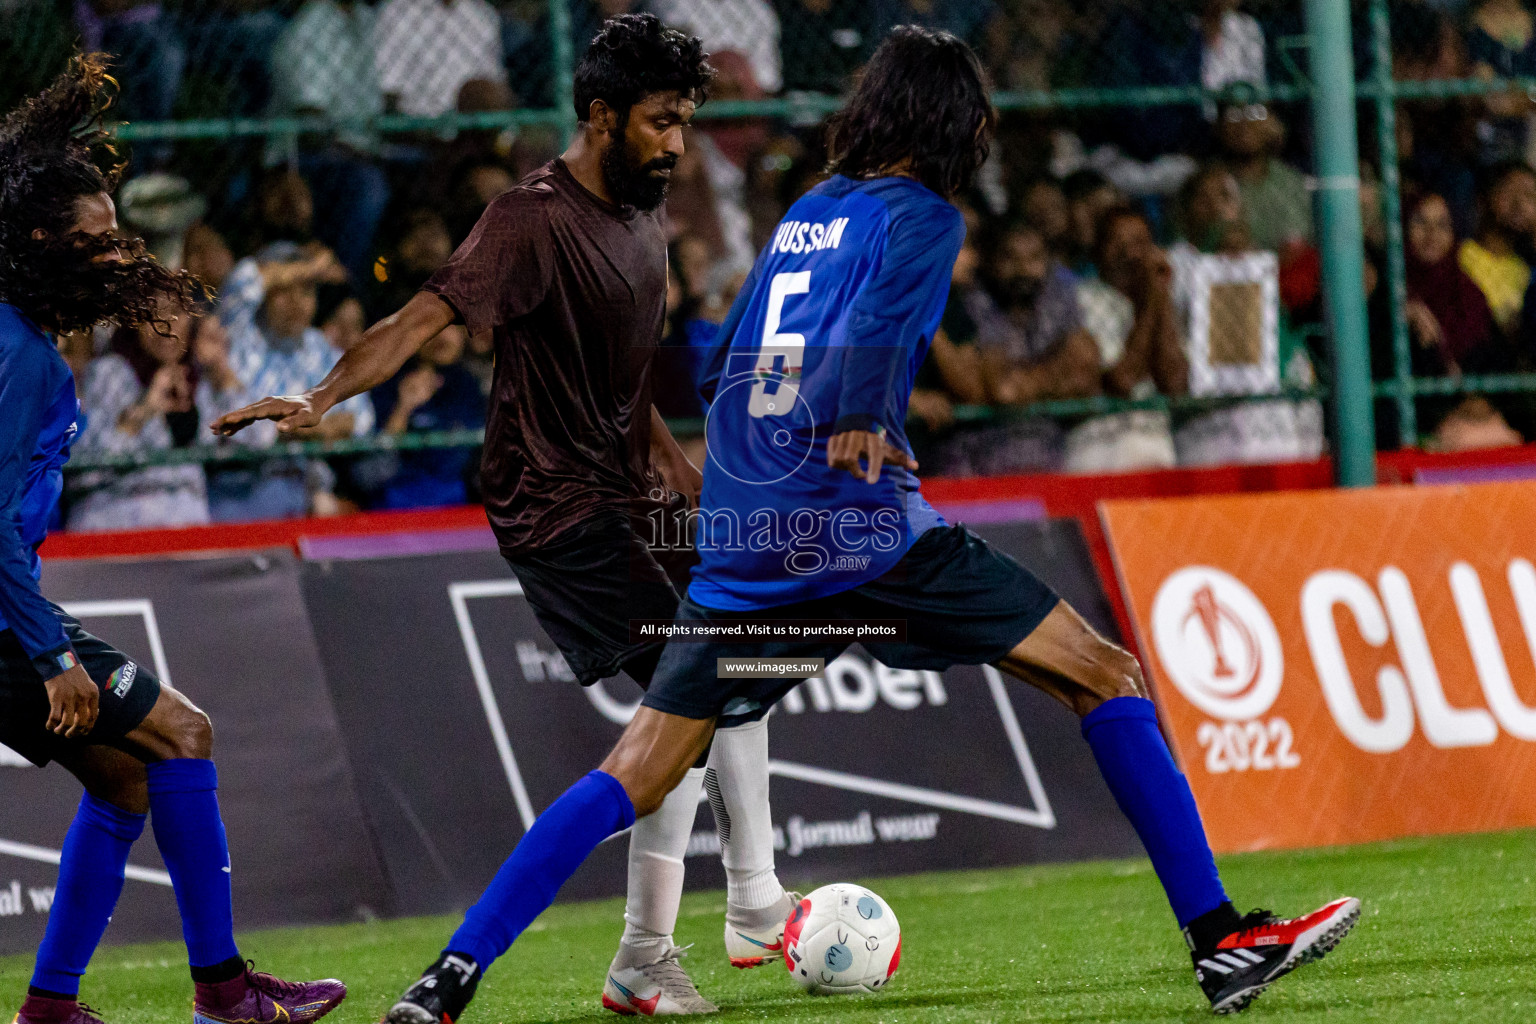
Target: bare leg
{"points": [[1068, 659], [175, 728], [109, 775]]}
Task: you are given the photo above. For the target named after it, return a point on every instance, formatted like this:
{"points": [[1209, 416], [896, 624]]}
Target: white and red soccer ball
{"points": [[842, 940]]}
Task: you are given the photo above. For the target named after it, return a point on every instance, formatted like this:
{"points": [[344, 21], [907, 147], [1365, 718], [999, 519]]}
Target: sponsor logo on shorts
{"points": [[121, 681]]}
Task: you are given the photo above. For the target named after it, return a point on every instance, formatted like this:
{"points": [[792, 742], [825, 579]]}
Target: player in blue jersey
{"points": [[810, 511], [135, 744]]}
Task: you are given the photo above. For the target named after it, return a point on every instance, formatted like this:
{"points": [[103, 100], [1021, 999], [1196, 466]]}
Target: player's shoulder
{"points": [[897, 192], [19, 335], [537, 190]]}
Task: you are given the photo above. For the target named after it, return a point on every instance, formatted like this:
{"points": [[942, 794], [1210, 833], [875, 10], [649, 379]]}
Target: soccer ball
{"points": [[840, 940]]}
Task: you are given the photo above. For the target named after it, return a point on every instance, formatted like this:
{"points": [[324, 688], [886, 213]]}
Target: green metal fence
{"points": [[1055, 65]]}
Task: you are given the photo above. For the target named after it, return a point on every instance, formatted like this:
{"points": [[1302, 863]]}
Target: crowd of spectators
{"points": [[1112, 253]]}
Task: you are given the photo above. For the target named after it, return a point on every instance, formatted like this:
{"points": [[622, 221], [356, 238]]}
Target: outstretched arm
{"points": [[373, 360]]}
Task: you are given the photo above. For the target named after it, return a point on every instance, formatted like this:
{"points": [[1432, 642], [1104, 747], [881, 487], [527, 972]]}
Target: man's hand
{"points": [[73, 703], [681, 475], [863, 453], [291, 412]]}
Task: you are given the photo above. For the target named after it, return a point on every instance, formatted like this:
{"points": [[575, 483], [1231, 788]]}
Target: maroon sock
{"points": [[48, 1009], [218, 994]]}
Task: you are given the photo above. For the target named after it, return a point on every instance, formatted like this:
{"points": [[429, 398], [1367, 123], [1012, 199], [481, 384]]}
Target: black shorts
{"points": [[586, 585], [964, 602], [128, 693]]}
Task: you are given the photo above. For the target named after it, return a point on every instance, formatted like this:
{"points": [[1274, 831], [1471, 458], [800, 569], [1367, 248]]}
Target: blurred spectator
{"points": [[140, 397], [1448, 317], [1506, 223], [149, 56], [282, 209], [1249, 431], [1210, 216], [1045, 208], [323, 65], [1450, 327], [950, 375], [748, 27], [526, 41], [825, 41], [206, 256], [432, 392], [727, 146], [688, 334], [229, 43], [1033, 347], [971, 20], [426, 50], [1128, 310], [1501, 43], [1088, 194], [475, 182], [423, 245], [1277, 201], [692, 209], [1439, 168], [268, 307], [354, 193], [161, 208], [1231, 46], [339, 313], [1160, 45]]}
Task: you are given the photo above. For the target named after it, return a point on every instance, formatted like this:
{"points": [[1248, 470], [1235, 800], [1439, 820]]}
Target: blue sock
{"points": [[590, 811], [1135, 762], [184, 809], [90, 881]]}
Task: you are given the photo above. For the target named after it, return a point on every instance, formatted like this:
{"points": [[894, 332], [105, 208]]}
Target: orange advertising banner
{"points": [[1341, 666]]}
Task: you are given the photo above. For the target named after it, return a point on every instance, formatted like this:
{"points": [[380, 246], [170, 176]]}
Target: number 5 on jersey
{"points": [[782, 355]]}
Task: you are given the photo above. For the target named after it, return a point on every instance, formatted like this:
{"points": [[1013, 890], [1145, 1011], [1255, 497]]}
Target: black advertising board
{"points": [[462, 723], [232, 633]]}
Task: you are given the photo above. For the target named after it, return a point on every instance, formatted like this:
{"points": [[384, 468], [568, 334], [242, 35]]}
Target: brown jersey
{"points": [[574, 291]]}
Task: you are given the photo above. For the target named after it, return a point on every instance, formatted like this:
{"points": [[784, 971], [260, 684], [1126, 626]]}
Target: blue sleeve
{"points": [[899, 307], [713, 365], [25, 397]]}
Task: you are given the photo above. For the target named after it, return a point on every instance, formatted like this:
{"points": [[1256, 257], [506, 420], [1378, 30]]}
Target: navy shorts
{"points": [[128, 693], [964, 602], [587, 584]]}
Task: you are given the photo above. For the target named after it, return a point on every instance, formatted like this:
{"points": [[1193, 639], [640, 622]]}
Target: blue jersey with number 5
{"points": [[826, 336]]}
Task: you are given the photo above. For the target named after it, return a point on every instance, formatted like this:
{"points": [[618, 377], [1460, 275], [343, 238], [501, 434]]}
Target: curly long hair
{"points": [[54, 152], [920, 105]]}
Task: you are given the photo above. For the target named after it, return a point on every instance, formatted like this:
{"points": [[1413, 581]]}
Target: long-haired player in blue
{"points": [[140, 749], [810, 511]]}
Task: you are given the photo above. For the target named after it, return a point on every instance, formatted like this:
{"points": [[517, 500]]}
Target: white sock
{"points": [[657, 844], [738, 793]]}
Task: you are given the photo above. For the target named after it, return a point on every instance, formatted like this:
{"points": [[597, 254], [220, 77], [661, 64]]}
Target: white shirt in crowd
{"points": [[428, 49], [1236, 56], [749, 27]]}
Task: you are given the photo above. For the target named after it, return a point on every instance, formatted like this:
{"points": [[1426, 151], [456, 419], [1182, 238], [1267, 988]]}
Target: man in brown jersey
{"points": [[568, 274]]}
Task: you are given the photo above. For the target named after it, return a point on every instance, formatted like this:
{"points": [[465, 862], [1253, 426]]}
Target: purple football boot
{"points": [[42, 1010], [257, 998]]}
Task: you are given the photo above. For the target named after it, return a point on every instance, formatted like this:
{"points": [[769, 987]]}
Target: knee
{"points": [[1116, 673], [646, 790], [189, 734]]}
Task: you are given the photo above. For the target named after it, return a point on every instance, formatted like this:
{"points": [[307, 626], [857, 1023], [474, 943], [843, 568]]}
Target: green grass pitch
{"points": [[1445, 936]]}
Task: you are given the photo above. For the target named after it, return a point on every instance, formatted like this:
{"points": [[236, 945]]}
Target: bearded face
{"points": [[631, 177]]}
